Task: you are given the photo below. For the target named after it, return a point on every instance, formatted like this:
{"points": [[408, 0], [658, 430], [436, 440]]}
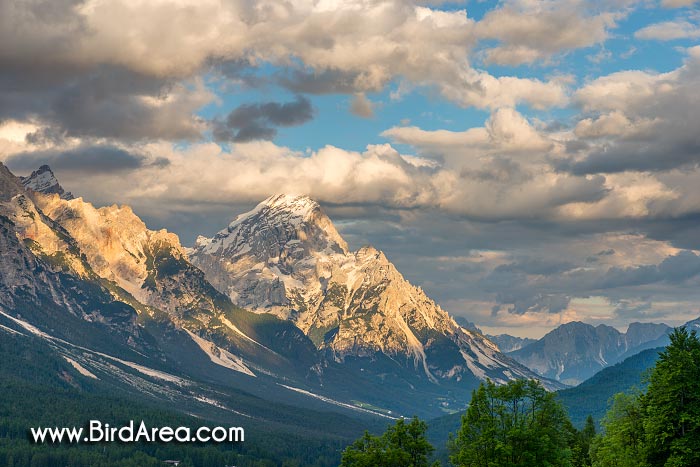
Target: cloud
{"points": [[668, 31], [104, 102], [482, 90], [530, 31], [678, 3], [644, 120], [506, 130], [250, 122], [353, 47], [361, 106], [84, 159]]}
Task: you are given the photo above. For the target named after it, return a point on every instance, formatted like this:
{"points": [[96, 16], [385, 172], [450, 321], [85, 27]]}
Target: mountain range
{"points": [[274, 306], [575, 351]]}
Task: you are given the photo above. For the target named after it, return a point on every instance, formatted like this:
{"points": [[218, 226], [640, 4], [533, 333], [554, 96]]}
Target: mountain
{"points": [[592, 397], [355, 327], [575, 351], [44, 278], [466, 324], [36, 375], [196, 349], [43, 180], [508, 343], [588, 398], [286, 258], [694, 325]]}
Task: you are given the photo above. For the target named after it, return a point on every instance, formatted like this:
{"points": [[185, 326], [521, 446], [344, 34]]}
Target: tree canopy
{"points": [[660, 428], [517, 424], [402, 445]]}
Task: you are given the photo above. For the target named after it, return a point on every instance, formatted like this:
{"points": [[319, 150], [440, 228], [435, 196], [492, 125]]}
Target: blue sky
{"points": [[527, 162]]}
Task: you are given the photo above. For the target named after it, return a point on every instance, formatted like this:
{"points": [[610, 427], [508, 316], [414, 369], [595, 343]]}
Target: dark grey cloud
{"points": [[681, 232], [319, 82], [530, 303], [540, 266], [84, 159], [630, 309], [250, 122], [101, 102], [657, 124], [534, 285], [45, 78], [660, 155]]}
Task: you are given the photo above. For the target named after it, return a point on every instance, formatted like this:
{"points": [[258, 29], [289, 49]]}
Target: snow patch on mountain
{"points": [[220, 356], [81, 369]]}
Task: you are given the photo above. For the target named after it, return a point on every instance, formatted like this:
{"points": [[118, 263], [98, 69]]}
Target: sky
{"points": [[527, 162]]}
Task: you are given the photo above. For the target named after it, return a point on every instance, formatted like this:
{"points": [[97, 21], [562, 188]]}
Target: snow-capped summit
{"points": [[285, 257], [44, 181], [281, 225]]}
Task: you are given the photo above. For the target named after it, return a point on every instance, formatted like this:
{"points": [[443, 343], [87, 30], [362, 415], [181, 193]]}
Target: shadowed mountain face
{"points": [[126, 303], [575, 351], [508, 343]]}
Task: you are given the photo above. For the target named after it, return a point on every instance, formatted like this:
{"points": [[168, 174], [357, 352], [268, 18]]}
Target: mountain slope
{"points": [[53, 377], [44, 278], [589, 398], [286, 258], [508, 343], [152, 267], [575, 351], [593, 395]]}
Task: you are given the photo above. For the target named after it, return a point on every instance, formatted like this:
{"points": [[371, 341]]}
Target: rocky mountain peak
{"points": [[282, 226], [44, 181], [286, 258], [298, 205]]}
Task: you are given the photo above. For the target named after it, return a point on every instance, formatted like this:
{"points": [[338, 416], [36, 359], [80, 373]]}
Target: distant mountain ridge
{"points": [[574, 351]]}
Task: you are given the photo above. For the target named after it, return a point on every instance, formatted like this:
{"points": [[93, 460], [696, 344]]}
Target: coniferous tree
{"points": [[581, 444], [662, 427], [672, 404]]}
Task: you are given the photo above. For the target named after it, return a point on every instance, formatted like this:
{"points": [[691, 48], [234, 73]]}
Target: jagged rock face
{"points": [[152, 267], [42, 271], [640, 333], [285, 257], [575, 351], [43, 180], [116, 242]]}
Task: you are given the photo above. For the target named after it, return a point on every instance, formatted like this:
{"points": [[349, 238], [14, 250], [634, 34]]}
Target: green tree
{"points": [[672, 403], [581, 444], [622, 445], [402, 445], [517, 424]]}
